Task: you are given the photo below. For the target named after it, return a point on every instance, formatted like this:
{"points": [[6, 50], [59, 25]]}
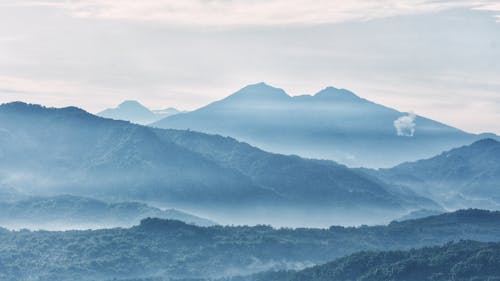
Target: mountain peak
{"points": [[335, 93], [262, 85], [488, 142], [75, 110], [133, 111], [260, 91], [130, 110], [18, 105], [29, 108], [131, 104]]}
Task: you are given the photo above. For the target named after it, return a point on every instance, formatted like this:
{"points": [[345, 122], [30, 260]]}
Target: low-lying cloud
{"points": [[405, 125]]}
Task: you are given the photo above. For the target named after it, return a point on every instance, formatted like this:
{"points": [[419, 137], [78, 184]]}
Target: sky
{"points": [[437, 58]]}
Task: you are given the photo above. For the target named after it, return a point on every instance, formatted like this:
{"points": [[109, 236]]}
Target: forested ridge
{"points": [[173, 249], [460, 261]]}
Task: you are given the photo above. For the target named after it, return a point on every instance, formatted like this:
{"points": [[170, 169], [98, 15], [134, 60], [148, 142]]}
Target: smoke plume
{"points": [[405, 125]]}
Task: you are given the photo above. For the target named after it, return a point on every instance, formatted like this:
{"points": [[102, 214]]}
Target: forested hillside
{"points": [[172, 249], [461, 261]]}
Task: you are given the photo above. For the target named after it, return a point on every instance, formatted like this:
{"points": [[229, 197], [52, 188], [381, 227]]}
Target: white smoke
{"points": [[405, 125]]}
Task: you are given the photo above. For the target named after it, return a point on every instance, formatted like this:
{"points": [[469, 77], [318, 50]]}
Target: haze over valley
{"points": [[117, 173], [163, 140], [233, 182]]}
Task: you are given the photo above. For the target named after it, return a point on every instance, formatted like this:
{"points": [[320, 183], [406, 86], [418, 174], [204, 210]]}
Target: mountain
{"points": [[288, 175], [104, 158], [460, 261], [73, 212], [211, 175], [169, 249], [468, 176], [162, 113], [333, 124], [135, 112]]}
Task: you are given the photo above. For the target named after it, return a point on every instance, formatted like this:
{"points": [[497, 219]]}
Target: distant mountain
{"points": [[73, 212], [468, 176], [168, 249], [135, 112], [460, 261], [47, 151], [162, 113], [333, 124]]}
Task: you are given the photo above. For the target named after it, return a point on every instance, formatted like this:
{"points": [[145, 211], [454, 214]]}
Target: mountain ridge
{"points": [[121, 161], [333, 124], [462, 260], [465, 176], [135, 112], [186, 251]]}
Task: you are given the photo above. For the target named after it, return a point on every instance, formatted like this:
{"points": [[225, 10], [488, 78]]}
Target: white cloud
{"points": [[405, 125], [492, 6], [253, 12]]}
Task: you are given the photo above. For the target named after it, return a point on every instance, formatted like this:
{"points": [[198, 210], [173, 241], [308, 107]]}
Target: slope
{"points": [[468, 176], [48, 151]]}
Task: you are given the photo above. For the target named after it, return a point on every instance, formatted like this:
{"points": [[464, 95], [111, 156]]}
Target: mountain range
{"points": [[332, 124], [468, 176], [50, 151], [133, 111]]}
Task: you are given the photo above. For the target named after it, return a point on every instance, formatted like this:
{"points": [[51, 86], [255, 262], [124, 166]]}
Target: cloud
{"points": [[253, 12], [405, 125], [492, 6]]}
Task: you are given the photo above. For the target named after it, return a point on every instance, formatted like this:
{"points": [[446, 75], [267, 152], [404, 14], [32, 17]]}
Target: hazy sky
{"points": [[440, 59]]}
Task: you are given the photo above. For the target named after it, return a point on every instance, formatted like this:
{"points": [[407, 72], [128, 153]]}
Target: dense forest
{"points": [[173, 249], [461, 261]]}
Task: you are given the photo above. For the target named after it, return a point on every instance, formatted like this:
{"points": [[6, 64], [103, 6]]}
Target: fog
{"points": [[109, 166]]}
